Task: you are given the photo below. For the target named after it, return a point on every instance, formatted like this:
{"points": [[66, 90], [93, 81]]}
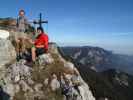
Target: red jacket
{"points": [[42, 39]]}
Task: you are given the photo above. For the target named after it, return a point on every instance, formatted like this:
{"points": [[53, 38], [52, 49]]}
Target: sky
{"points": [[103, 23]]}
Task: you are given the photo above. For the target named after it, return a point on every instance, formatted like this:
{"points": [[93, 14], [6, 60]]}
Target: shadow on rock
{"points": [[4, 95]]}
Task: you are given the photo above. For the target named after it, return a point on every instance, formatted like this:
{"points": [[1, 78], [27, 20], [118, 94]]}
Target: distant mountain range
{"points": [[107, 74], [99, 59]]}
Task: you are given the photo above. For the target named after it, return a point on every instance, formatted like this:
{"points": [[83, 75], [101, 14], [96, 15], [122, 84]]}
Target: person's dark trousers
{"points": [[39, 51]]}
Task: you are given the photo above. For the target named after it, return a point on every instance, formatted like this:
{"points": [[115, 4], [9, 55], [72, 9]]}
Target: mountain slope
{"points": [[99, 59], [112, 84], [39, 82]]}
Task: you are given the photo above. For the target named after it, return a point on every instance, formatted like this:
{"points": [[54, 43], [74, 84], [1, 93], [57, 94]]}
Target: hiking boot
{"points": [[18, 57]]}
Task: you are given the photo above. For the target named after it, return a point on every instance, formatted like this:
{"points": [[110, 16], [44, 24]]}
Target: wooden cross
{"points": [[40, 21]]}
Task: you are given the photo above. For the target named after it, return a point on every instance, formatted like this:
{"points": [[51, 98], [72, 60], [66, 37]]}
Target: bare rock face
{"points": [[22, 82], [84, 88], [45, 59], [69, 65], [7, 51], [18, 71], [85, 91], [55, 84]]}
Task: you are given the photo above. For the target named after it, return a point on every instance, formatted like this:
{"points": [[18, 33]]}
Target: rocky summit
{"points": [[19, 81]]}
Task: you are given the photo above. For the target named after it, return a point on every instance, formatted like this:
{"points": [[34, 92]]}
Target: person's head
{"points": [[40, 30], [21, 12]]}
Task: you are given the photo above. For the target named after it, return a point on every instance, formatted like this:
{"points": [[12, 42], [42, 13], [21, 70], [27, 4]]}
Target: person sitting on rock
{"points": [[40, 44]]}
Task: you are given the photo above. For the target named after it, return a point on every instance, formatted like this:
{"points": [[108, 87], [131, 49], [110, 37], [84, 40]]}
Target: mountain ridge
{"points": [[99, 58], [111, 83]]}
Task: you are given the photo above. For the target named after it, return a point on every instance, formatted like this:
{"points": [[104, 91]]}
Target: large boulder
{"points": [[7, 51], [45, 59], [55, 84]]}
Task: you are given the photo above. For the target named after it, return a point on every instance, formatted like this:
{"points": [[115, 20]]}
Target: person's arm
{"points": [[46, 43], [40, 46], [30, 40], [17, 22], [37, 46], [39, 43]]}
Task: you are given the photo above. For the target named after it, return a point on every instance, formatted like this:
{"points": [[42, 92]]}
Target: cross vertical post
{"points": [[40, 21]]}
